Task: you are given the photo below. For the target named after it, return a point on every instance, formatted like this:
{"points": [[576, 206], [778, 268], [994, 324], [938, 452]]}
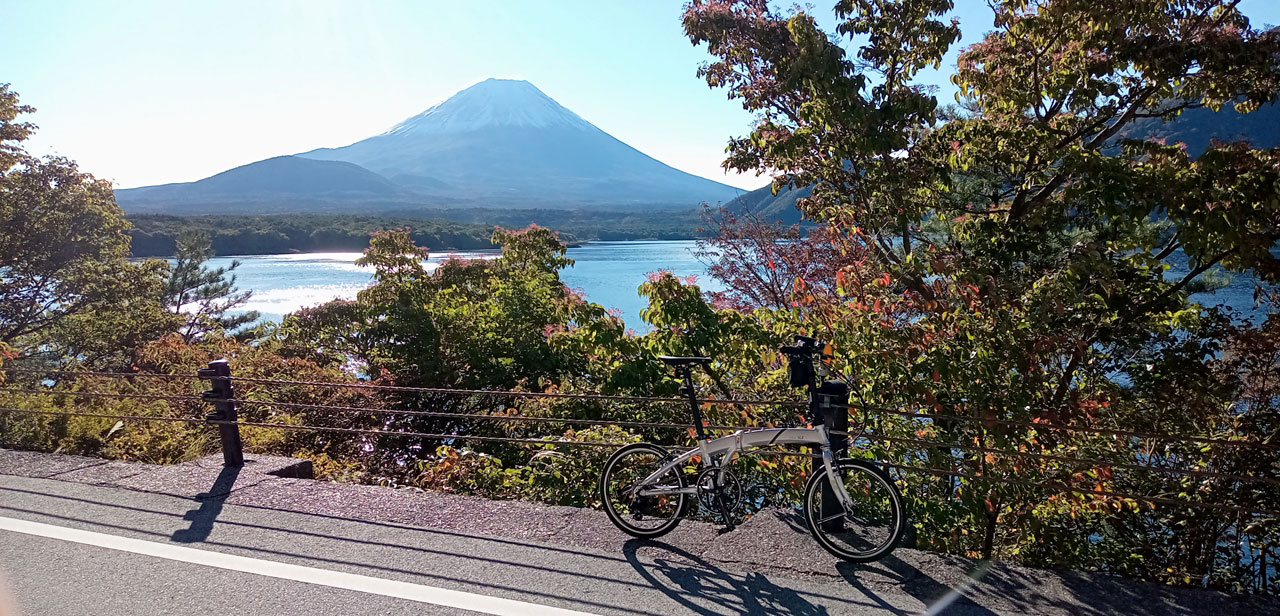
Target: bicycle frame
{"points": [[829, 510], [724, 447]]}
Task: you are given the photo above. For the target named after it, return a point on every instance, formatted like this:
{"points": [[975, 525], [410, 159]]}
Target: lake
{"points": [[607, 272]]}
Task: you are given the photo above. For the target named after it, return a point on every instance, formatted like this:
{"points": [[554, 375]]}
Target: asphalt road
{"points": [[90, 536], [287, 562]]}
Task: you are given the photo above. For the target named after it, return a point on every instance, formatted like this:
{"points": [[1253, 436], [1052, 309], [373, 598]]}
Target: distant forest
{"points": [[155, 235]]}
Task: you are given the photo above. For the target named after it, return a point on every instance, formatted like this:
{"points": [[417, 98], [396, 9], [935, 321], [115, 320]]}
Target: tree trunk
{"points": [[989, 537]]}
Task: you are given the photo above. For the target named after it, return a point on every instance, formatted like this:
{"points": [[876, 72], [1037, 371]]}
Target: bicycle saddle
{"points": [[684, 361]]}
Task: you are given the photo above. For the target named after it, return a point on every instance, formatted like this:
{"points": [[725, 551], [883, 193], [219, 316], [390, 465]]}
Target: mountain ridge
{"points": [[498, 143], [284, 173]]}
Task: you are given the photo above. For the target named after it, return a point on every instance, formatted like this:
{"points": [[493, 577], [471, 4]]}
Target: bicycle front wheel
{"points": [[871, 528], [621, 482]]}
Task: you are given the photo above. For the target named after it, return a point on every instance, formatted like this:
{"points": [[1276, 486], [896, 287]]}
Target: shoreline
{"points": [[236, 235], [433, 251]]}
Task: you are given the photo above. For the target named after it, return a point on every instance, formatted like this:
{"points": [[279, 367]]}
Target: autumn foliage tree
{"points": [[1020, 257], [768, 265]]}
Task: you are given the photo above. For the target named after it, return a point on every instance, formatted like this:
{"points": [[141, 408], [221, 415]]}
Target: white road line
{"points": [[323, 577]]}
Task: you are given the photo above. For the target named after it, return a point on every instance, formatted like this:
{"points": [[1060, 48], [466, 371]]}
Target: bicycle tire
{"points": [[608, 501], [876, 478]]}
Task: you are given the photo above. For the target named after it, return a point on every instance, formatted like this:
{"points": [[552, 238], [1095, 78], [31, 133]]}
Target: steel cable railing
{"points": [[1083, 429], [79, 373], [522, 394], [103, 394], [1068, 459], [673, 400], [1105, 493], [499, 417], [917, 443], [118, 416], [601, 444]]}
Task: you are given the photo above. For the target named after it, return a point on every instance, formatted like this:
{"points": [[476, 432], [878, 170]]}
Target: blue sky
{"points": [[152, 92]]}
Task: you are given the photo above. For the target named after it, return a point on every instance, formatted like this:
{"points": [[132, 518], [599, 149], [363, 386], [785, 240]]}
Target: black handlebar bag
{"points": [[800, 371]]}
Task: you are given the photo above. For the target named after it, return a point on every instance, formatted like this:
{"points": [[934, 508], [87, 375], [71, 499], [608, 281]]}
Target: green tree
{"points": [[112, 335], [204, 296], [63, 247], [475, 324], [484, 324]]}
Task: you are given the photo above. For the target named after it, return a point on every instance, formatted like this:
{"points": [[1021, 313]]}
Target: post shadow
{"points": [[211, 502]]}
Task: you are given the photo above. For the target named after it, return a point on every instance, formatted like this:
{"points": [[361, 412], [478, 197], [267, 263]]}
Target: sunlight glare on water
{"points": [[607, 272]]}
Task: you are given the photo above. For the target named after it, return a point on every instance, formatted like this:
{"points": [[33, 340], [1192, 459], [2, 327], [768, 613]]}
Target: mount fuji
{"points": [[499, 143]]}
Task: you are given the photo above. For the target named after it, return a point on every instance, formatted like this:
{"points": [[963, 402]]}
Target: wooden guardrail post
{"points": [[222, 397]]}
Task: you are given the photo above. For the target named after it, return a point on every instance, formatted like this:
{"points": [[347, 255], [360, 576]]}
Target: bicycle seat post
{"points": [[687, 390]]}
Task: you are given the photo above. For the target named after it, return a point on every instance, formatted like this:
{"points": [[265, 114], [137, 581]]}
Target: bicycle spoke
{"points": [[872, 524], [634, 505]]}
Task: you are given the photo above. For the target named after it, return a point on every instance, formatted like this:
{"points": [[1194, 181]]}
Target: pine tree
{"points": [[204, 295]]}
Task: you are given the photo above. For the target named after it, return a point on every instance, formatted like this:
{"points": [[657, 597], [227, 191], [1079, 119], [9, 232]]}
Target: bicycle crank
{"points": [[719, 491]]}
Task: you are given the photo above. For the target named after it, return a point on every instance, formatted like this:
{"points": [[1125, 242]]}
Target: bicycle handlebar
{"points": [[804, 345], [800, 362]]}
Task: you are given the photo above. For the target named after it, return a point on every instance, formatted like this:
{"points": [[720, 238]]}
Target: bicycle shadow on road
{"points": [[203, 517], [936, 596], [891, 584], [704, 588]]}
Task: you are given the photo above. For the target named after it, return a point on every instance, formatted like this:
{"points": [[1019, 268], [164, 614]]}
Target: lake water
{"points": [[607, 272]]}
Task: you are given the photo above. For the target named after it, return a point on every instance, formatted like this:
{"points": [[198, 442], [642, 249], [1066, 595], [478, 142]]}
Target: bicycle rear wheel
{"points": [[641, 516], [874, 524]]}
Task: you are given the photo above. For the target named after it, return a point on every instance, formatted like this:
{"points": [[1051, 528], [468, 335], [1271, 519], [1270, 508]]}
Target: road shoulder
{"points": [[772, 544]]}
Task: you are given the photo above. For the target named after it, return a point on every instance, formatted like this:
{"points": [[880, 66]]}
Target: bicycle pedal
{"points": [[725, 529]]}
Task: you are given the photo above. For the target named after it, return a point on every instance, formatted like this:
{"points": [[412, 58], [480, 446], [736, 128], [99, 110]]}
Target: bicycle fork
{"points": [[834, 480]]}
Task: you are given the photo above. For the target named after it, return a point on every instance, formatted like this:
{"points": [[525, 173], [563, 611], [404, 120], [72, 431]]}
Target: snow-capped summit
{"points": [[492, 102], [504, 142]]}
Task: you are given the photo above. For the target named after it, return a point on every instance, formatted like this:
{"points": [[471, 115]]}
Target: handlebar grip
{"points": [[794, 349], [804, 346]]}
